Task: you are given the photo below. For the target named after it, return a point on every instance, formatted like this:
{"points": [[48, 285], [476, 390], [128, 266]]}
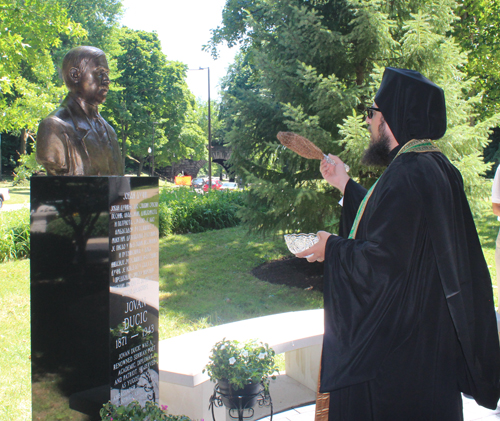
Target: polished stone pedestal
{"points": [[94, 294]]}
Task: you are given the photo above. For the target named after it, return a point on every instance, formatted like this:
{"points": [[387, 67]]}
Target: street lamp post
{"points": [[153, 151], [149, 152], [209, 132], [209, 137]]}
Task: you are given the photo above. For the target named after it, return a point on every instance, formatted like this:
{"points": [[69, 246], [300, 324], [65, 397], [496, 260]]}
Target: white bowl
{"points": [[299, 242]]}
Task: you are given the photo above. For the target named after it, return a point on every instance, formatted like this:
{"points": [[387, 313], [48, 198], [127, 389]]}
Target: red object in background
{"points": [[182, 180], [216, 185]]}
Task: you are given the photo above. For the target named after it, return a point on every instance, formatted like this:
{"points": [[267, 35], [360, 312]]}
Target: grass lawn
{"points": [[15, 369], [487, 228], [18, 194], [205, 280]]}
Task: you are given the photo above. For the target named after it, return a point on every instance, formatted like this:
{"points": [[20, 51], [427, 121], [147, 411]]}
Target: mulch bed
{"points": [[293, 272]]}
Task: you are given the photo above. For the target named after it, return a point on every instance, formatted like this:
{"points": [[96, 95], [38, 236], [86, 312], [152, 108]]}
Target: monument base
{"points": [[94, 294], [90, 401]]}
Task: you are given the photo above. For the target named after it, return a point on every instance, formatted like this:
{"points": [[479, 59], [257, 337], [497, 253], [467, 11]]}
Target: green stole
{"points": [[415, 145]]}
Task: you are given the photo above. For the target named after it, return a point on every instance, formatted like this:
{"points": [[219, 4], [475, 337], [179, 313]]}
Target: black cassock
{"points": [[409, 313]]}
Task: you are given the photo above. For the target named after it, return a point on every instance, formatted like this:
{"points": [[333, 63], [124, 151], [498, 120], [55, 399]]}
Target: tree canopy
{"points": [[149, 97], [478, 32], [151, 100], [312, 67], [100, 19], [29, 30]]}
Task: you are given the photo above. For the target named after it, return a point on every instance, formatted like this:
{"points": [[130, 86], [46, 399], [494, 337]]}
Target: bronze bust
{"points": [[74, 139]]}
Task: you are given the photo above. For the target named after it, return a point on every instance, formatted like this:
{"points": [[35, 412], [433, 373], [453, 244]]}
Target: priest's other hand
{"points": [[316, 253], [336, 175]]}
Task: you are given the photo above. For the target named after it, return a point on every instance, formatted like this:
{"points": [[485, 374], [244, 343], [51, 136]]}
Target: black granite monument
{"points": [[94, 294]]}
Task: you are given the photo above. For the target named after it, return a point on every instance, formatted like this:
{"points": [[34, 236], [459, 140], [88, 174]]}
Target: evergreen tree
{"points": [[312, 67]]}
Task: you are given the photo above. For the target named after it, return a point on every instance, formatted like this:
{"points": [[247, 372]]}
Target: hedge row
{"points": [[184, 211], [14, 234], [181, 211]]}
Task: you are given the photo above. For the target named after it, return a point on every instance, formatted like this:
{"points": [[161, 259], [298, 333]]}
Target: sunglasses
{"points": [[370, 110]]}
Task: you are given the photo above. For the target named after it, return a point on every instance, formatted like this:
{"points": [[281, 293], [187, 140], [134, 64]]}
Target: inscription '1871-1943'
{"points": [[134, 283]]}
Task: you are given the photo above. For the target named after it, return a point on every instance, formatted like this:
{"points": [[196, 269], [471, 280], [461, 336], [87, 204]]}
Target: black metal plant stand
{"points": [[241, 405]]}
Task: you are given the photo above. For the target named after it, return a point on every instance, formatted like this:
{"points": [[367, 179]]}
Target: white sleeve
{"points": [[495, 190]]}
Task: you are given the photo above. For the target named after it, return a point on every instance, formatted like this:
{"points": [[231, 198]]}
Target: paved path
{"points": [[8, 207], [472, 412]]}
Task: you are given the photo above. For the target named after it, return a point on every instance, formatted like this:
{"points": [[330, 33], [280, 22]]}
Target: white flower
{"points": [[244, 353], [232, 360], [222, 347], [262, 355]]}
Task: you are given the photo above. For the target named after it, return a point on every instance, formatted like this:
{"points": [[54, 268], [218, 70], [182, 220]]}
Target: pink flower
{"points": [[164, 407]]}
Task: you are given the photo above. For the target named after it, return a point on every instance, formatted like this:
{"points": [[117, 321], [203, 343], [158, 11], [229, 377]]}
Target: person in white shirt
{"points": [[495, 200]]}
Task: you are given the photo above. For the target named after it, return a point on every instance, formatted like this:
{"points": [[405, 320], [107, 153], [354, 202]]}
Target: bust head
{"points": [[85, 72]]}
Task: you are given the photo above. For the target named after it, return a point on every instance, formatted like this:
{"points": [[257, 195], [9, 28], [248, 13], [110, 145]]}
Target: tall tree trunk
{"points": [[360, 73], [124, 143], [360, 77], [141, 164], [23, 141]]}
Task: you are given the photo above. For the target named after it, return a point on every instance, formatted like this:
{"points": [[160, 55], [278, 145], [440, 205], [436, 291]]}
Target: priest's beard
{"points": [[377, 153]]}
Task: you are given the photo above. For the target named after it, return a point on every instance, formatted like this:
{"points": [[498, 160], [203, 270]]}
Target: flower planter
{"points": [[239, 398], [236, 363]]}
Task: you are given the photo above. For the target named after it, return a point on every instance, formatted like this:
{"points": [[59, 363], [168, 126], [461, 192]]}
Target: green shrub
{"points": [[27, 166], [182, 210], [165, 219], [14, 235]]}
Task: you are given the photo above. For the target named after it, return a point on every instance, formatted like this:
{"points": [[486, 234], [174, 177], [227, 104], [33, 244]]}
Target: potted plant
{"points": [[241, 370]]}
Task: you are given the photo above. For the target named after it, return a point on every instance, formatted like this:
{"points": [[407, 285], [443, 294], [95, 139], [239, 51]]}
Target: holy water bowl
{"points": [[300, 242]]}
